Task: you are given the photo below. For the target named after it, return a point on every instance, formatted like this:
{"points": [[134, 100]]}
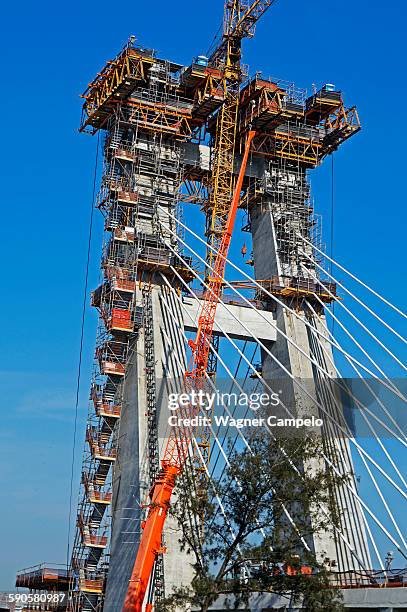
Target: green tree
{"points": [[249, 543]]}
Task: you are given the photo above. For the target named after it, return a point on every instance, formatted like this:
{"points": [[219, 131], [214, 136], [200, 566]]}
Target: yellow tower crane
{"points": [[240, 18], [239, 22]]}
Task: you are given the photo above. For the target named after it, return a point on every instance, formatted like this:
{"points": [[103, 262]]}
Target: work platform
{"points": [[388, 593], [373, 591], [44, 577], [354, 600]]}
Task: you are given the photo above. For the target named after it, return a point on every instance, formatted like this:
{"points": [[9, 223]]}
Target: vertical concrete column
{"points": [[131, 480], [269, 263], [155, 177]]}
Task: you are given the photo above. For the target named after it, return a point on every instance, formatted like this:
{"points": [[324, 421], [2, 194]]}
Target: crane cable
{"points": [[79, 371]]}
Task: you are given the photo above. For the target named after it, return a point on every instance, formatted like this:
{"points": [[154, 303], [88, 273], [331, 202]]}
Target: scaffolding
{"points": [[294, 127], [142, 176]]}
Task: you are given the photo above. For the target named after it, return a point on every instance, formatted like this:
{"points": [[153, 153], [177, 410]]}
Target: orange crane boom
{"points": [[176, 450], [201, 346]]}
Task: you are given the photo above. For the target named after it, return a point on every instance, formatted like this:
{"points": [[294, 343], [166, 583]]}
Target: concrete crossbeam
{"points": [[265, 330]]}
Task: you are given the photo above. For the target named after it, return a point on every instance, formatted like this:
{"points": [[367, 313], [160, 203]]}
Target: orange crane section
{"points": [[201, 346], [176, 450]]}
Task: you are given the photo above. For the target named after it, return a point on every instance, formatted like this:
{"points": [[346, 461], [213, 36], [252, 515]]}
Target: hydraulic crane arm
{"points": [[178, 443], [201, 346]]}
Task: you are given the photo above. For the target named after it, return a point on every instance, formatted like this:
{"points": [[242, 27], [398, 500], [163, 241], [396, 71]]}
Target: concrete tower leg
{"points": [[157, 350], [131, 475], [274, 226]]}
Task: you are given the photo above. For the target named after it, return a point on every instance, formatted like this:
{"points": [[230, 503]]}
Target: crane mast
{"points": [[239, 22]]}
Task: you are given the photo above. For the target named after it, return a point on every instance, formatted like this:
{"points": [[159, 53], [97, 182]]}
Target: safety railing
{"points": [[370, 579]]}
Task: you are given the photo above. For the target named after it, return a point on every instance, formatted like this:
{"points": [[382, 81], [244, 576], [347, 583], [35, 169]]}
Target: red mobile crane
{"points": [[178, 443]]}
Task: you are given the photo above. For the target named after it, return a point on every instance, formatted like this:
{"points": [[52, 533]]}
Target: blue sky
{"points": [[49, 53]]}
